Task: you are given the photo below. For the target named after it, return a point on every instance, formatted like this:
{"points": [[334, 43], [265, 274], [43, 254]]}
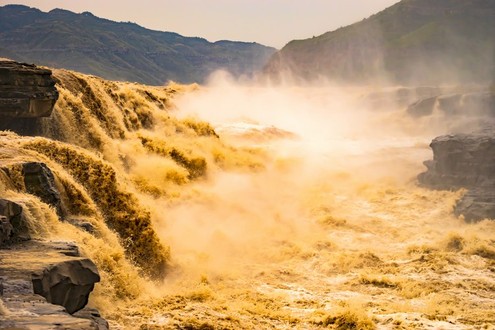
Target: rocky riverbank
{"points": [[46, 285], [27, 93], [465, 161], [43, 284]]}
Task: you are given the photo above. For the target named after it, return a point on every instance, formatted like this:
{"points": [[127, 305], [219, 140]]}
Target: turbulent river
{"points": [[270, 207]]}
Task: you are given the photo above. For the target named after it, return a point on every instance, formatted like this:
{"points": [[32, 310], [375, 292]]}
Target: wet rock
{"points": [[465, 161], [68, 283], [94, 315], [477, 204], [6, 231], [32, 311], [66, 248], [461, 160], [83, 224], [27, 91], [15, 217], [40, 181]]}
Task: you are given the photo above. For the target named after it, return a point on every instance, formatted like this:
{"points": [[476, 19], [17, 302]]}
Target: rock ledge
{"points": [[465, 161], [43, 283]]}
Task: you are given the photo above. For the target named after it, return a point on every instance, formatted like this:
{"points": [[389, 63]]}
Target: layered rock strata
{"points": [[27, 93], [43, 283], [465, 161]]}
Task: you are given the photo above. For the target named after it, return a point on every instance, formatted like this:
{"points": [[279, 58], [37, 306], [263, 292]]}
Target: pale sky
{"points": [[269, 22]]}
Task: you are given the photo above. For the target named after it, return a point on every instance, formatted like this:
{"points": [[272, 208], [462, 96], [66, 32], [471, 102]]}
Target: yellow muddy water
{"points": [[294, 208]]}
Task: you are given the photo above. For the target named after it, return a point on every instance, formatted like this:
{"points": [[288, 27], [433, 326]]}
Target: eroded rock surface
{"points": [[465, 161], [13, 218], [27, 93], [6, 230], [40, 181], [67, 283], [67, 280]]}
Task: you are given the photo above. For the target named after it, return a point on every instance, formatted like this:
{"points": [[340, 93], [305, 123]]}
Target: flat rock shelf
{"points": [[28, 263]]}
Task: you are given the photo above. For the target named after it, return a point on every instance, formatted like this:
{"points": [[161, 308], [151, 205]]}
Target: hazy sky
{"points": [[269, 22]]}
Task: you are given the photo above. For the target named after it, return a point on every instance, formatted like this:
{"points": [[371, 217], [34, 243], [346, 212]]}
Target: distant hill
{"points": [[413, 41], [119, 51]]}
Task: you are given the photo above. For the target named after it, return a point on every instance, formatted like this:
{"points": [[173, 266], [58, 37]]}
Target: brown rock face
{"points": [[465, 161], [40, 181], [67, 284], [47, 281], [6, 230], [27, 93], [12, 217]]}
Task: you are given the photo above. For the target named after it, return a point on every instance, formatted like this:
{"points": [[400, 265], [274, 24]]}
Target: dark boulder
{"points": [[40, 181], [13, 214], [477, 204], [68, 283], [461, 160], [27, 93], [66, 248], [465, 161], [52, 263], [6, 230]]}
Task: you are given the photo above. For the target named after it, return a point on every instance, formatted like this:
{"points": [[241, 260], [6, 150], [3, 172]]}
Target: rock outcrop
{"points": [[60, 285], [481, 104], [465, 161], [27, 93], [42, 283], [14, 226], [68, 283], [6, 230], [40, 181]]}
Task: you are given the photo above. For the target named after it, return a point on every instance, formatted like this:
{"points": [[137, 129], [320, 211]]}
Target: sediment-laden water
{"points": [[233, 206]]}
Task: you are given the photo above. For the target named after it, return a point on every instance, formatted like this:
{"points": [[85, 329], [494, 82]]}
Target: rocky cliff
{"points": [[465, 161], [27, 93]]}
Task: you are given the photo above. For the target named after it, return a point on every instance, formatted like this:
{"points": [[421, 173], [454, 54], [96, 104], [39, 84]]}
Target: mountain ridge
{"points": [[119, 50], [413, 41]]}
